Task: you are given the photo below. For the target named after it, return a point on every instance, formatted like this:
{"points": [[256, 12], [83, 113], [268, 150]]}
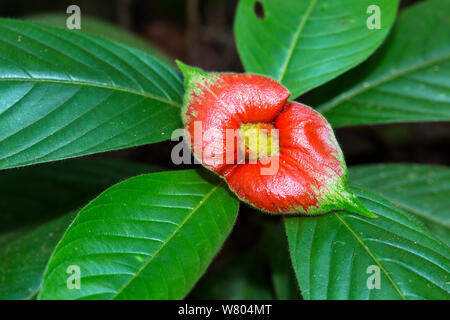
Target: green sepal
{"points": [[194, 81], [343, 199], [191, 75], [352, 204]]}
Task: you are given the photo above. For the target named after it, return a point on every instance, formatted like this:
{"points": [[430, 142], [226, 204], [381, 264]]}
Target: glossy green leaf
{"points": [[100, 28], [303, 44], [407, 80], [24, 255], [243, 278], [32, 195], [420, 189], [337, 256], [149, 237], [67, 94]]}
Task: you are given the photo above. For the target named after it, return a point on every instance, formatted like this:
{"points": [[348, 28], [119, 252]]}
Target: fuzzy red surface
{"points": [[308, 158]]}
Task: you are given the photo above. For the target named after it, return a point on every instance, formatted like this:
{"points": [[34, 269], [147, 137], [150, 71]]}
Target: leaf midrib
{"points": [[361, 89], [200, 203], [95, 85], [372, 255], [296, 39]]}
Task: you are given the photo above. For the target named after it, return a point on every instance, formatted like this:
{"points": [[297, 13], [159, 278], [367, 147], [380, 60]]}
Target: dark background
{"points": [[200, 32]]}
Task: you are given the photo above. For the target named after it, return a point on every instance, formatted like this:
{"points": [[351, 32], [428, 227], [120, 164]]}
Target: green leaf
{"points": [[331, 255], [407, 80], [67, 94], [244, 278], [303, 44], [98, 27], [34, 194], [23, 259], [149, 237], [283, 277], [419, 189]]}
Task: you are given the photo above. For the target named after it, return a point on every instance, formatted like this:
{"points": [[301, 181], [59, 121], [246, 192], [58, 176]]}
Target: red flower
{"points": [[279, 156]]}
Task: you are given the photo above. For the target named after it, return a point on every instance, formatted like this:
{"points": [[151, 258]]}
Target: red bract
{"points": [[222, 113]]}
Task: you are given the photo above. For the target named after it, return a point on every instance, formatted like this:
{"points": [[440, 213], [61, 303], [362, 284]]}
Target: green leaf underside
{"points": [[167, 228], [419, 189], [303, 44], [35, 194], [23, 258], [100, 28], [67, 94], [331, 254], [407, 80]]}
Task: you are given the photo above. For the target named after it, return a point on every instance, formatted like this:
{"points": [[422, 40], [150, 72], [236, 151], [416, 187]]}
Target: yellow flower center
{"points": [[258, 140]]}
